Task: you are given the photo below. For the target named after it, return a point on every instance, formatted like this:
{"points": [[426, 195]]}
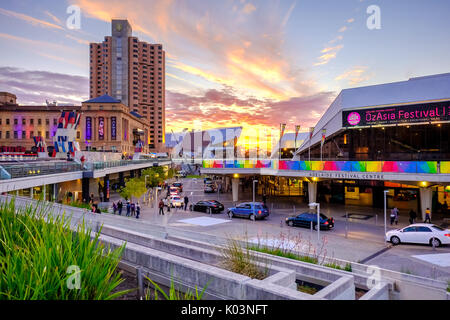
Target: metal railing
{"points": [[21, 170]]}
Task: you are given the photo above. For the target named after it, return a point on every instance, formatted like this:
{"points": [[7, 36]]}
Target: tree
{"points": [[156, 175], [133, 188]]}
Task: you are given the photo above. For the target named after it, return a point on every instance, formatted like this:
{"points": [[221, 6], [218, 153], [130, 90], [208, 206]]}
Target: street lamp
{"points": [[254, 198], [145, 179], [385, 209], [315, 204]]}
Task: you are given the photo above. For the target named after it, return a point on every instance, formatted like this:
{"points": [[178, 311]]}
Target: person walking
{"points": [[119, 207], [133, 209], [396, 216], [393, 215], [128, 208], [412, 216], [427, 216], [114, 206], [161, 207], [264, 198], [186, 201], [167, 203], [138, 210]]}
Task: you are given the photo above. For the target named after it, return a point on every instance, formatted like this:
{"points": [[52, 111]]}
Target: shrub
{"points": [[174, 294], [241, 260], [38, 249]]}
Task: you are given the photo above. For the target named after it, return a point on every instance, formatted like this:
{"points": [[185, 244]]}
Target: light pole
{"points": [[315, 204], [254, 197], [156, 199], [385, 209], [145, 181]]}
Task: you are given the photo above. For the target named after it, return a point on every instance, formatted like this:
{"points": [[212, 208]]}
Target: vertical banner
{"points": [[101, 128], [113, 128], [297, 130], [88, 133], [324, 132]]}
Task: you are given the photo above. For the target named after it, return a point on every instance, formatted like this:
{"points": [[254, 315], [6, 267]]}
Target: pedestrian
{"points": [[91, 198], [119, 207], [167, 203], [264, 198], [133, 209], [186, 201], [412, 216], [396, 216], [393, 215], [97, 210], [161, 207], [114, 206], [138, 210], [427, 216], [128, 208]]}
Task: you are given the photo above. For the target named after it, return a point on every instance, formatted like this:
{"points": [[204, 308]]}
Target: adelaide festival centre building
{"points": [[393, 137]]}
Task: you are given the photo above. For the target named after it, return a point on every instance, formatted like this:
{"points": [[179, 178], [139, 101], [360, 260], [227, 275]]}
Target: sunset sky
{"points": [[252, 63]]}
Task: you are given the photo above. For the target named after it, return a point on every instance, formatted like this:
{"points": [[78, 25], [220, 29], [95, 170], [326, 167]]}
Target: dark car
{"points": [[305, 220], [206, 205], [178, 185], [207, 180], [251, 210]]}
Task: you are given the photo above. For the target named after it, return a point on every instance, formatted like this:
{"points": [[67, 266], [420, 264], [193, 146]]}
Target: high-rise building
{"points": [[133, 72]]}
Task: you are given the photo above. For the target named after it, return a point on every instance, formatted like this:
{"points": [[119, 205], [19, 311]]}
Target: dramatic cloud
{"points": [[355, 76], [34, 87], [217, 108]]}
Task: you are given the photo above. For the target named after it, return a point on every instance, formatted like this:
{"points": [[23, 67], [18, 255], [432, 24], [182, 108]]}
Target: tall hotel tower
{"points": [[132, 71]]}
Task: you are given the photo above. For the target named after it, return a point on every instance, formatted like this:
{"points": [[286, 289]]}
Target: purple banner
{"points": [[113, 128], [101, 128], [88, 133]]}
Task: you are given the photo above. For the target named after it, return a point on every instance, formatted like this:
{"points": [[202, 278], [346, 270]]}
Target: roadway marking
{"points": [[204, 221], [440, 259]]}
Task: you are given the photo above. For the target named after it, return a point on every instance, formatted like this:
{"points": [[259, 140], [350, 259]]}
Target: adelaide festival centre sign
{"points": [[439, 111]]}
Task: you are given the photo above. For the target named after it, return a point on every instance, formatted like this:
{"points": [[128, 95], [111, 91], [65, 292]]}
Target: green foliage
{"points": [[307, 289], [80, 205], [133, 188], [174, 294], [37, 250], [348, 266], [241, 260], [156, 175], [285, 254]]}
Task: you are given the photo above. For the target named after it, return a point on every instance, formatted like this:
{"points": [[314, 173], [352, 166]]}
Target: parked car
{"points": [[205, 205], [176, 201], [207, 180], [305, 220], [420, 233], [251, 210], [178, 185], [209, 188]]}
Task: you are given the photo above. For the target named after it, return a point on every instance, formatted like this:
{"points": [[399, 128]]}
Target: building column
{"points": [[106, 188], [85, 189], [44, 191], [312, 191], [121, 179], [55, 192], [235, 189], [31, 192], [426, 195], [132, 174]]}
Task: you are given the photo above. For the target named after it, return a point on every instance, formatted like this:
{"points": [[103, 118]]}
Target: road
{"points": [[364, 239]]}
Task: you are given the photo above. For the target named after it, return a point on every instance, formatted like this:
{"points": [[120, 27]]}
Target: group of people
{"points": [[412, 216], [166, 203], [132, 209]]}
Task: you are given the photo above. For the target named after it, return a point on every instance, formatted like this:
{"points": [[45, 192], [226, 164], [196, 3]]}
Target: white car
{"points": [[421, 233], [176, 201]]}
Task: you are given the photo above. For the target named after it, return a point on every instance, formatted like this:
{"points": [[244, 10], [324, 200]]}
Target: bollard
{"points": [[346, 225], [311, 227], [376, 219], [140, 283]]}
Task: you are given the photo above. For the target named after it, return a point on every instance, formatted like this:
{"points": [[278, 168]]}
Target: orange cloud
{"points": [[354, 76]]}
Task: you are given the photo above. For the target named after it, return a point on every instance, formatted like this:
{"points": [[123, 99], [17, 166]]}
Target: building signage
{"points": [[348, 176], [101, 128], [88, 133], [439, 111], [113, 128]]}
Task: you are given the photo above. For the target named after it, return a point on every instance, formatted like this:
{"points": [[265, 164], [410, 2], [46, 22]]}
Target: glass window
{"points": [[410, 229], [423, 229]]}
